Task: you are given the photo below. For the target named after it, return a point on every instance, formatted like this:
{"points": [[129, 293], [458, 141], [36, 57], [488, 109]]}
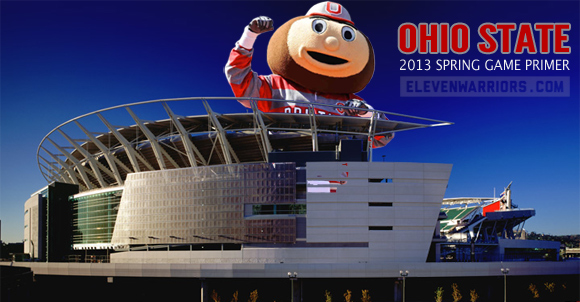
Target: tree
{"points": [[214, 296], [328, 296], [474, 295], [439, 294], [550, 286], [348, 296], [253, 296], [365, 296], [456, 293], [534, 290]]}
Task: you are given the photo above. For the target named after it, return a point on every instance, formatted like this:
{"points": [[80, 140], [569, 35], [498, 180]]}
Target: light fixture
{"points": [[404, 274], [293, 277], [505, 271]]}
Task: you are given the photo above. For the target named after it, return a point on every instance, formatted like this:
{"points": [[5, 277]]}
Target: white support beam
{"points": [[77, 163], [259, 123], [52, 170], [213, 147], [49, 173], [94, 164], [82, 169], [370, 138], [106, 152], [157, 149], [188, 145], [227, 150], [46, 176], [313, 128], [129, 150], [72, 174]]}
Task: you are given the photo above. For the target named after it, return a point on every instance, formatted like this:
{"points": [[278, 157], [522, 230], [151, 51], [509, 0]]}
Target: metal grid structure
{"points": [[93, 152], [206, 205]]}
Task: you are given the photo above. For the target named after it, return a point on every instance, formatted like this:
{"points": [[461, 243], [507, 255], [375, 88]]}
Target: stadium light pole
{"points": [[404, 274], [505, 271], [293, 277]]}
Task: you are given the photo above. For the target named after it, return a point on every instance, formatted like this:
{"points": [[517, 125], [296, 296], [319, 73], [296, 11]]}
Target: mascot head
{"points": [[322, 51]]}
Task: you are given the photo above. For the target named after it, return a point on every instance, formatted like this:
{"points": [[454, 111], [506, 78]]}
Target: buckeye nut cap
{"points": [[330, 10]]}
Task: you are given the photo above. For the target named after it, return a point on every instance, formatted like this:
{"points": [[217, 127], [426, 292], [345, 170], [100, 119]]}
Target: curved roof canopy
{"points": [[99, 149]]}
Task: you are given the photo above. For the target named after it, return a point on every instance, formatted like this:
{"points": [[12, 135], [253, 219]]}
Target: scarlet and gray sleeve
{"points": [[238, 70]]}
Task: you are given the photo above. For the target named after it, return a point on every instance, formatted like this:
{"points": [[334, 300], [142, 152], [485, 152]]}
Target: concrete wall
{"points": [[280, 270], [350, 219], [399, 229], [33, 226]]}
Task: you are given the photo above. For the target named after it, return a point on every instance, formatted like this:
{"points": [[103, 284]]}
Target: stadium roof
{"points": [[465, 200], [94, 152]]}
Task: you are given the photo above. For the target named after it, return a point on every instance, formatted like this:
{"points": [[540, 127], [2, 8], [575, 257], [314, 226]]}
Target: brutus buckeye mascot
{"points": [[319, 58]]}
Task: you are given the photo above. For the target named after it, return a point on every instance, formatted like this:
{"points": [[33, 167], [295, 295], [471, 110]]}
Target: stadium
{"points": [[245, 182], [204, 189]]}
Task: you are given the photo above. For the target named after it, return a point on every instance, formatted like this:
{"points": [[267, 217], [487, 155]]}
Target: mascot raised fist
{"points": [[261, 25], [319, 58]]}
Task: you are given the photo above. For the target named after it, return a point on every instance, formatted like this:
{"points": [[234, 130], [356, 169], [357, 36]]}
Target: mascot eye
{"points": [[348, 34], [319, 26]]}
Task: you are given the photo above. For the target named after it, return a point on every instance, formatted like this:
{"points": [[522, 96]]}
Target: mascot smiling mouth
{"points": [[326, 59]]}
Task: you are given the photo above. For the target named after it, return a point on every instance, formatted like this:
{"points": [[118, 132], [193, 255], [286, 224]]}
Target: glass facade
{"points": [[94, 217], [270, 230], [206, 205]]}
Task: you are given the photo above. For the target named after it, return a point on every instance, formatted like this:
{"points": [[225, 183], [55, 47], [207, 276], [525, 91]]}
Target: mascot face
{"points": [[327, 47], [322, 53]]}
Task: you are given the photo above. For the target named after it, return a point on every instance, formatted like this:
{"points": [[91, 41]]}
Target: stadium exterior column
{"points": [[298, 290], [204, 290], [398, 296]]}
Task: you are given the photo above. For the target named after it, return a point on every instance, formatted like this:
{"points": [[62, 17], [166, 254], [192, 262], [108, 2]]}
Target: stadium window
{"points": [[278, 209], [269, 209], [380, 228], [380, 180], [231, 246], [380, 204]]}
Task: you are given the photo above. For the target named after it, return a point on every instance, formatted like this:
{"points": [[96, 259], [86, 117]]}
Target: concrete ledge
{"points": [[341, 270]]}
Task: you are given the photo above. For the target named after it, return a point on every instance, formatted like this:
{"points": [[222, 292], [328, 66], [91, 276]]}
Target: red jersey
{"points": [[247, 83]]}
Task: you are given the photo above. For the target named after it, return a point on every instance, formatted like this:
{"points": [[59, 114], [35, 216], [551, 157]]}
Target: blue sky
{"points": [[63, 59]]}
